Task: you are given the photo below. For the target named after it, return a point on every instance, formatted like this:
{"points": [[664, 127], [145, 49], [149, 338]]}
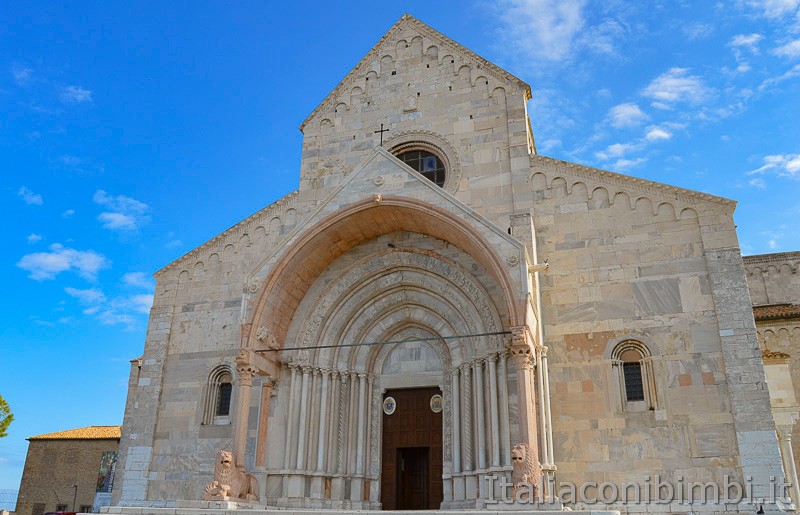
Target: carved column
{"points": [[263, 421], [344, 394], [301, 431], [351, 424], [467, 413], [495, 420], [521, 352], [246, 373], [333, 416], [456, 414], [292, 393], [480, 414], [323, 420]]}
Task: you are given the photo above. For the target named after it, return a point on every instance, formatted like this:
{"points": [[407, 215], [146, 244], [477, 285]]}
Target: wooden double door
{"points": [[411, 460]]}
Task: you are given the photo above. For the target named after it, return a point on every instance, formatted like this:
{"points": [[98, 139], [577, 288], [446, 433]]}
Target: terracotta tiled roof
{"points": [[776, 311], [83, 433]]}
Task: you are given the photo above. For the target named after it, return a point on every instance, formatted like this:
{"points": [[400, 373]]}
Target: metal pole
{"points": [[74, 496]]}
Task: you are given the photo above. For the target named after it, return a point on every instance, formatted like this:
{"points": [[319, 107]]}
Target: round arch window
{"points": [[426, 163]]}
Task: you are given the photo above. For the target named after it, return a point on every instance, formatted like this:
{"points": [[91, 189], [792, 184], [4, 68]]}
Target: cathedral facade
{"points": [[438, 301]]}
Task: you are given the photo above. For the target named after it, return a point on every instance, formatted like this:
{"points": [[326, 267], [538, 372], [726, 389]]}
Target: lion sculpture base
{"points": [[525, 474], [230, 483]]}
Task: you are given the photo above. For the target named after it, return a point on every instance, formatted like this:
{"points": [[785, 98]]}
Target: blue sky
{"points": [[131, 132]]}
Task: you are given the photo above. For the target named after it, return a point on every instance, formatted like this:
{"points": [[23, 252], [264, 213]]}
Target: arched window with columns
{"points": [[219, 392], [633, 375]]}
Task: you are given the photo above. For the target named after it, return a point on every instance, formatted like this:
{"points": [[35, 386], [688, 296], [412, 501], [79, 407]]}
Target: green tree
{"points": [[5, 417]]}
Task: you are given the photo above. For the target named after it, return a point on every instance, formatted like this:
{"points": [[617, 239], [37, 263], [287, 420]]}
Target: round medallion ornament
{"points": [[389, 405], [513, 260], [436, 403]]}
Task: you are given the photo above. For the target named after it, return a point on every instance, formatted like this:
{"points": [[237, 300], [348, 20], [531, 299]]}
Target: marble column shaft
{"points": [[263, 422], [505, 434], [548, 417], [301, 430], [323, 420], [362, 408], [495, 418], [246, 373], [287, 461]]}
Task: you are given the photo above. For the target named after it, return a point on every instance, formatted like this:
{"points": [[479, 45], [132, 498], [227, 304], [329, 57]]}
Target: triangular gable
{"points": [[408, 24]]}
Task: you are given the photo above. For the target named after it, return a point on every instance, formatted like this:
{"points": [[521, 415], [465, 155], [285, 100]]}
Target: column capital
{"points": [[306, 369], [520, 349], [268, 381], [326, 372], [246, 373]]}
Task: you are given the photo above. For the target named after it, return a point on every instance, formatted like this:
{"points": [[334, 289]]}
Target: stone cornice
{"points": [[627, 182], [235, 232], [778, 258], [424, 30]]}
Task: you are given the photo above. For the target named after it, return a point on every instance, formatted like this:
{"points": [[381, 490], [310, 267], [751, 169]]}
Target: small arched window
{"points": [[632, 372], [219, 391], [426, 163], [634, 376]]}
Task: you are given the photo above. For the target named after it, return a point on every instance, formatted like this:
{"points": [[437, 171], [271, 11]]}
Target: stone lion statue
{"points": [[525, 474], [229, 482]]}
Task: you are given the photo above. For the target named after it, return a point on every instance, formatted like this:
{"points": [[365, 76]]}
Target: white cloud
{"points": [[788, 74], [626, 115], [757, 183], [784, 165], [29, 197], [124, 213], [47, 265], [68, 213], [142, 303], [544, 29], [698, 30], [616, 150], [676, 86], [138, 280], [75, 95], [773, 8], [111, 317], [548, 145], [747, 40], [88, 296], [624, 164], [34, 238], [790, 49], [21, 75], [657, 134]]}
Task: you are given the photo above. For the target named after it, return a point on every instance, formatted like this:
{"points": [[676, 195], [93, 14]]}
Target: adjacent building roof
{"points": [[83, 433]]}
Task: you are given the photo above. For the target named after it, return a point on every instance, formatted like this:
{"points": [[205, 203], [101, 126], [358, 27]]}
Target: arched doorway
{"points": [[416, 281]]}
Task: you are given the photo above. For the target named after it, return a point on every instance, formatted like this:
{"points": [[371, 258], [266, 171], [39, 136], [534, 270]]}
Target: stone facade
{"points": [[57, 461], [538, 295]]}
